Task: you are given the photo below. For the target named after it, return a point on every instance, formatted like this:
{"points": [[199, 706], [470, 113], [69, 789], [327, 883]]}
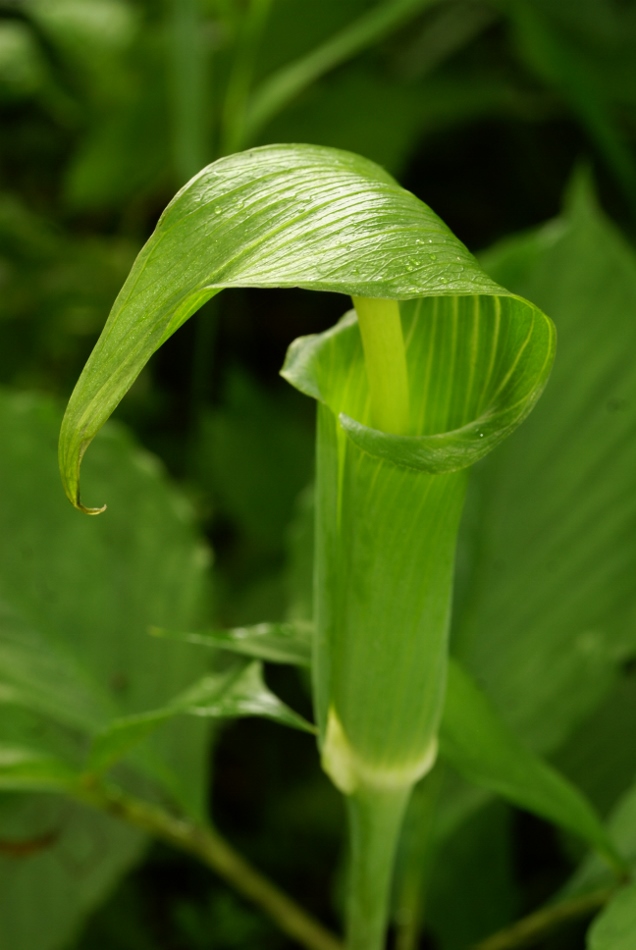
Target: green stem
{"points": [[188, 81], [416, 860], [251, 26], [534, 928], [385, 359], [375, 819], [283, 86], [206, 844]]}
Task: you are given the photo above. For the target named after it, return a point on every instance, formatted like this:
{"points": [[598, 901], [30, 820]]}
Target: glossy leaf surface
{"points": [[280, 216]]}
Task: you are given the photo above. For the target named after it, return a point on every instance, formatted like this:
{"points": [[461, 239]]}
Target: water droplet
{"points": [[481, 435], [433, 257]]}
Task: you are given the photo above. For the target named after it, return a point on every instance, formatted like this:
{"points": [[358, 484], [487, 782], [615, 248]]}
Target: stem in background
{"points": [[252, 24], [535, 927], [385, 359], [289, 81], [416, 860], [187, 68], [375, 819], [207, 845]]}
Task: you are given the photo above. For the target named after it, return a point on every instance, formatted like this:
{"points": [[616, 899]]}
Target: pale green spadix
{"points": [[448, 364]]}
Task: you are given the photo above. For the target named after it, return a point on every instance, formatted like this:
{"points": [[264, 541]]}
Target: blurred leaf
{"points": [[77, 598], [125, 151], [549, 611], [23, 768], [598, 756], [275, 642], [239, 691], [91, 35], [55, 292], [554, 55], [621, 826], [482, 748], [22, 66], [615, 926], [478, 864], [58, 862], [254, 431], [42, 676], [91, 591]]}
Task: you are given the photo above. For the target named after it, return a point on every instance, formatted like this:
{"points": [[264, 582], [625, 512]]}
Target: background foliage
{"points": [[491, 112]]}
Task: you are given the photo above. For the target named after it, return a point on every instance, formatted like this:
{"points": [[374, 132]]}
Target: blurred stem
{"points": [[188, 80], [375, 819], [248, 38], [206, 844], [536, 927], [416, 852], [385, 359], [205, 331], [287, 83]]}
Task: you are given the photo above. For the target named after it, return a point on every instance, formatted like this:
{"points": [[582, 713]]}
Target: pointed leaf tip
{"points": [[277, 216]]}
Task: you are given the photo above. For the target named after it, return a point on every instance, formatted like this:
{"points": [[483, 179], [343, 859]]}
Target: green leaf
{"points": [[476, 365], [254, 431], [42, 676], [621, 825], [548, 612], [26, 768], [240, 691], [280, 216], [615, 926], [76, 599], [275, 642], [477, 742], [579, 74], [460, 866], [69, 859]]}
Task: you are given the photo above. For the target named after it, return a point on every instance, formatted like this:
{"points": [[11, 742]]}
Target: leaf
{"points": [[550, 544], [275, 642], [24, 768], [76, 599], [240, 691], [491, 892], [580, 79], [485, 751], [280, 216], [615, 926], [475, 367], [621, 825], [59, 862], [253, 431], [595, 756], [39, 675]]}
